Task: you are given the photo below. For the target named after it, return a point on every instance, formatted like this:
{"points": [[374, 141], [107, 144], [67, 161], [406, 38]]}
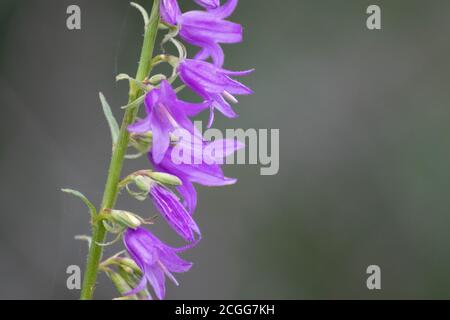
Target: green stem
{"points": [[118, 156]]}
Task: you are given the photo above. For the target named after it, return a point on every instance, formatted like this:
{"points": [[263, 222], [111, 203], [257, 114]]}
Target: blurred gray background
{"points": [[365, 150]]}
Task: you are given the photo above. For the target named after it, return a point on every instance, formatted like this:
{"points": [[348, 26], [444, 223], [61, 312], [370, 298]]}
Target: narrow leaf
{"points": [[143, 12], [113, 126], [135, 103], [124, 76], [86, 201], [83, 237]]}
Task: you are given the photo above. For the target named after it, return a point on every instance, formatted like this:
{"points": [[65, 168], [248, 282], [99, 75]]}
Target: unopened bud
{"points": [[121, 285], [143, 183], [157, 78], [130, 266], [142, 142], [126, 219], [166, 178]]}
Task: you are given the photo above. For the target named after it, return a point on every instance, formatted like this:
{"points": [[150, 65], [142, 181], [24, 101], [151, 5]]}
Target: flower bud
{"points": [[143, 183], [119, 282], [142, 142], [130, 266], [126, 219], [166, 178], [157, 78]]}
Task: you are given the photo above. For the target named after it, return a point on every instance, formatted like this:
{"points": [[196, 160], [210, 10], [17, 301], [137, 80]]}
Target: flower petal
{"points": [[203, 54], [174, 213], [226, 10], [173, 263], [204, 27], [217, 151], [189, 194], [193, 109], [161, 130], [208, 4], [224, 107], [155, 275], [170, 11], [202, 77], [217, 54], [236, 87], [141, 126]]}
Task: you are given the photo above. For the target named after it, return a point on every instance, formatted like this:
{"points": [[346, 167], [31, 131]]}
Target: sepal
{"points": [[126, 219], [166, 178], [143, 12], [91, 207]]}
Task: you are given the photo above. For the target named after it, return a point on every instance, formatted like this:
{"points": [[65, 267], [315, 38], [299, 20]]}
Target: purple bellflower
{"points": [[203, 166], [155, 259], [206, 30], [213, 84], [165, 114], [174, 212], [177, 146]]}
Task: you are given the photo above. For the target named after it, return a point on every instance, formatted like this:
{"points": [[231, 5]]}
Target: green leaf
{"points": [[143, 12], [86, 201], [113, 125], [121, 285], [135, 103], [83, 237], [124, 76]]}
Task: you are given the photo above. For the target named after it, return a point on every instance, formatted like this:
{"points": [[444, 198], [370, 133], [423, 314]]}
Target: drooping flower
{"points": [[155, 259], [208, 4], [174, 212], [206, 30], [214, 84], [165, 114], [198, 163]]}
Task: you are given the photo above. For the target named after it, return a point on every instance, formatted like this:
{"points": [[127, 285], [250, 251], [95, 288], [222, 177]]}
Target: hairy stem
{"points": [[118, 156]]}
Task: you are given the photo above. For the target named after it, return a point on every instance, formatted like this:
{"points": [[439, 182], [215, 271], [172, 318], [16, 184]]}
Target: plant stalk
{"points": [[115, 169]]}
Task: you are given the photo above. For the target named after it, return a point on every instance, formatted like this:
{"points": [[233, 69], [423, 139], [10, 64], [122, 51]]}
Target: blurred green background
{"points": [[364, 173]]}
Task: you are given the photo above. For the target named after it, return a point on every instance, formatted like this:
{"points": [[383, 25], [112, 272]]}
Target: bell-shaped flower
{"points": [[174, 212], [165, 114], [200, 163], [205, 29], [214, 84], [155, 259]]}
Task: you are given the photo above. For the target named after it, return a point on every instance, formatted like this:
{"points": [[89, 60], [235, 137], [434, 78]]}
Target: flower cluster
{"points": [[177, 152]]}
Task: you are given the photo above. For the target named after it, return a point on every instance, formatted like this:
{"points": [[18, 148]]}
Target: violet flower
{"points": [[206, 30], [214, 84], [165, 114], [155, 259], [205, 171], [173, 211]]}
